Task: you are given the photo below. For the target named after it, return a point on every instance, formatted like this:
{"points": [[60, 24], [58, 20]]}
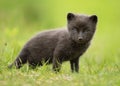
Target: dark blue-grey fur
{"points": [[57, 46]]}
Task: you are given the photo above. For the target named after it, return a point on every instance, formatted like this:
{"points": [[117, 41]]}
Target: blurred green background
{"points": [[49, 14]]}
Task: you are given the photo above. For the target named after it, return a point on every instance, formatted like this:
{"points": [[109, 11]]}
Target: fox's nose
{"points": [[80, 38]]}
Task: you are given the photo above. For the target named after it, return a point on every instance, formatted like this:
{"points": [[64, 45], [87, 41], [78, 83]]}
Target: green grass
{"points": [[99, 66]]}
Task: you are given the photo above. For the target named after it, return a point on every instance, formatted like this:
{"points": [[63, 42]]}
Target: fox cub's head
{"points": [[81, 27]]}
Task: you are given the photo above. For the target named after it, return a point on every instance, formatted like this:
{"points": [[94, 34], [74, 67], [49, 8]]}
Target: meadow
{"points": [[21, 19]]}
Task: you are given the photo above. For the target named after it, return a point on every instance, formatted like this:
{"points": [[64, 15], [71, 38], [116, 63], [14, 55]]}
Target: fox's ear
{"points": [[70, 16], [94, 18]]}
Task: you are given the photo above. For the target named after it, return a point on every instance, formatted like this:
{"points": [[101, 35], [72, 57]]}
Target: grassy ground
{"points": [[99, 66]]}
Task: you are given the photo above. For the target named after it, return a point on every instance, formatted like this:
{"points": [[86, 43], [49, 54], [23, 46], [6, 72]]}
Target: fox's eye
{"points": [[73, 28], [86, 30]]}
